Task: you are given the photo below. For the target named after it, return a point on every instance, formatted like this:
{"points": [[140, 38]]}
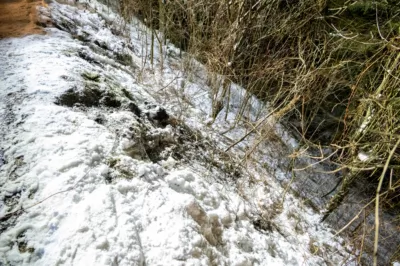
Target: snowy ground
{"points": [[107, 160]]}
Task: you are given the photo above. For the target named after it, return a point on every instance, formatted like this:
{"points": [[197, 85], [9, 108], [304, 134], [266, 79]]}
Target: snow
{"points": [[77, 191], [363, 157]]}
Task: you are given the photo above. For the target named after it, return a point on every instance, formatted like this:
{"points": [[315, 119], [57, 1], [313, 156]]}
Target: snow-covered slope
{"points": [[107, 160]]}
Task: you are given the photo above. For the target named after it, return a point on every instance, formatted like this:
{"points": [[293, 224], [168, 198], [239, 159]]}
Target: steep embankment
{"points": [[106, 159]]}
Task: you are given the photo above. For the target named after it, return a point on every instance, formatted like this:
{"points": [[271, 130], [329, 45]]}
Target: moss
{"points": [[313, 248], [83, 36], [22, 244], [101, 44], [360, 18], [127, 94], [110, 100], [395, 27], [119, 171], [161, 116], [69, 98], [85, 55], [134, 109], [100, 120], [124, 59], [92, 76], [93, 95], [23, 247], [262, 224], [367, 9], [90, 96], [65, 25], [112, 162]]}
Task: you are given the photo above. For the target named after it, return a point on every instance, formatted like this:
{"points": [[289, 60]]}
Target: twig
{"points": [[166, 86], [378, 190], [254, 129], [358, 214]]}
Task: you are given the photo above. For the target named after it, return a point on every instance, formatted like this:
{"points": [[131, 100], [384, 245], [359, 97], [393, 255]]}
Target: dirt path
{"points": [[18, 18]]}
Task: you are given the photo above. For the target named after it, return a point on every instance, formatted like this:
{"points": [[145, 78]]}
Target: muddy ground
{"points": [[19, 18]]}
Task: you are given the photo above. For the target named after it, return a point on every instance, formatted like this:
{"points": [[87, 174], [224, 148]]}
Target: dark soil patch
{"points": [[102, 45], [110, 100], [154, 152], [161, 116], [100, 120], [3, 160], [91, 76], [134, 109], [87, 97], [127, 94], [12, 199], [158, 115], [85, 55], [9, 221], [124, 59], [90, 96], [23, 245], [262, 225]]}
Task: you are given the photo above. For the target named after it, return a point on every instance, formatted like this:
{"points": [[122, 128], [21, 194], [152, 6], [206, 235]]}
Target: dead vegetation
{"points": [[330, 68]]}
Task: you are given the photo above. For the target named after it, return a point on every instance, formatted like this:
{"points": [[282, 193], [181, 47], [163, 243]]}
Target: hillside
{"points": [[113, 153]]}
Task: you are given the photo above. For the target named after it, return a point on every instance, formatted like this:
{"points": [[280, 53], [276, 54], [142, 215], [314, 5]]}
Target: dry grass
{"points": [[330, 68]]}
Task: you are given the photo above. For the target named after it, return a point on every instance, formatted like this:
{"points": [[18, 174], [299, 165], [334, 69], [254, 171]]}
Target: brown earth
{"points": [[19, 18]]}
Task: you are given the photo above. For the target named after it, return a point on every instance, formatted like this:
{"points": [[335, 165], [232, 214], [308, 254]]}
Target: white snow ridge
{"points": [[107, 160]]}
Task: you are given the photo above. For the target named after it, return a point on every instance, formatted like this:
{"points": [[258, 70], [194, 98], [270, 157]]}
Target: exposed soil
{"points": [[19, 18]]}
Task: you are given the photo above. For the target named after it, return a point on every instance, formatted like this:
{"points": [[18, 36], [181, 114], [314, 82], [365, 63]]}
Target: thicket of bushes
{"points": [[334, 63]]}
